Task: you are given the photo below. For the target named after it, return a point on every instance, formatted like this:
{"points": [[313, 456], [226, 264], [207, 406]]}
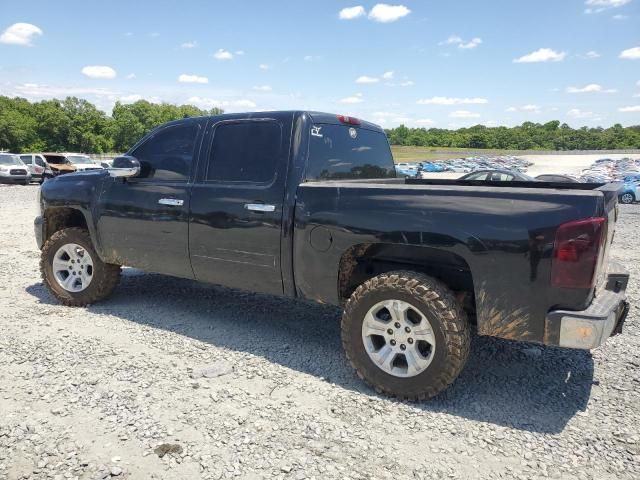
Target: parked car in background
{"points": [[553, 177], [497, 176], [61, 163], [37, 166], [406, 169], [13, 170], [630, 191]]}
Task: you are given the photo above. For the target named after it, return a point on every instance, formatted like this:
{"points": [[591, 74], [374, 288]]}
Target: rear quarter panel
{"points": [[505, 235]]}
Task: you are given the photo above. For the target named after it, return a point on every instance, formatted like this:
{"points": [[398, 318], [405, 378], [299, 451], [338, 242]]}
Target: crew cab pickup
{"points": [[307, 205]]}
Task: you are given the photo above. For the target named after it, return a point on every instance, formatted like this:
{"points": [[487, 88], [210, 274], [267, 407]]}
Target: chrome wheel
{"points": [[627, 198], [73, 267], [398, 338]]}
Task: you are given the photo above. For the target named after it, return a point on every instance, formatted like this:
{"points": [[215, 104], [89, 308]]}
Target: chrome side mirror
{"points": [[125, 167]]}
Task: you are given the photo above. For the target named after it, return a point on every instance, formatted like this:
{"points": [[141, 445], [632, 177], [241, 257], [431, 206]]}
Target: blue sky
{"points": [[422, 63]]}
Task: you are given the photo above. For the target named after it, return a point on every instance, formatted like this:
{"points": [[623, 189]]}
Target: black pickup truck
{"points": [[307, 205]]}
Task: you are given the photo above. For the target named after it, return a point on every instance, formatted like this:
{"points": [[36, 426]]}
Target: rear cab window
{"points": [[340, 152]]}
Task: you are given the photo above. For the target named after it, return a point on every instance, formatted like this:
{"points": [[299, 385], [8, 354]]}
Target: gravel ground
{"points": [[170, 379]]}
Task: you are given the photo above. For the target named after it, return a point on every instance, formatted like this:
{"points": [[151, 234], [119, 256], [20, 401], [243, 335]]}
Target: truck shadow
{"points": [[511, 384]]}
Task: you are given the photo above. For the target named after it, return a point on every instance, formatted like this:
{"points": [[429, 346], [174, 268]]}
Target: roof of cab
{"points": [[316, 117]]}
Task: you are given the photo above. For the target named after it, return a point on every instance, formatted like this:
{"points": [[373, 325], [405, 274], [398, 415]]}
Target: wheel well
{"points": [[63, 217], [364, 261]]}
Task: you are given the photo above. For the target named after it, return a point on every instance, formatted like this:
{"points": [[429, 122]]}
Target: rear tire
{"points": [[434, 352], [97, 285]]}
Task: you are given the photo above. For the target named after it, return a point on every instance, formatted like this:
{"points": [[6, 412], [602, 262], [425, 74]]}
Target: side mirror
{"points": [[125, 167]]}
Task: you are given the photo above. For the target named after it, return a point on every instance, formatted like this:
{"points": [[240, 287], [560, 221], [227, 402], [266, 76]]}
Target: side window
{"points": [[245, 151], [168, 154], [26, 159], [479, 176], [40, 161]]}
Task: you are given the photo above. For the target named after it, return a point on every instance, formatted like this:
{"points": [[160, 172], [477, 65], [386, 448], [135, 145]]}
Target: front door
{"points": [[143, 221], [237, 202]]}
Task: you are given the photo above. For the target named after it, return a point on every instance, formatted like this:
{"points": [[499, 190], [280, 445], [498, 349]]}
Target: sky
{"points": [[427, 63]]}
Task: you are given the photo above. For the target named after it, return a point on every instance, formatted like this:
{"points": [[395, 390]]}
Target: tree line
{"points": [[528, 136], [76, 125]]}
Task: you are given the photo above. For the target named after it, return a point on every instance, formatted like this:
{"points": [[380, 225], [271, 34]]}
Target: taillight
{"points": [[348, 120], [576, 250]]}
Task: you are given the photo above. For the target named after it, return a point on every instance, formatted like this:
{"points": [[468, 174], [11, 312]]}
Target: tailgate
{"points": [[610, 192]]}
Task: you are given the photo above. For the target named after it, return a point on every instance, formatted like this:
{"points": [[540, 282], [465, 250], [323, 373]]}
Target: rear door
{"points": [[237, 203]]}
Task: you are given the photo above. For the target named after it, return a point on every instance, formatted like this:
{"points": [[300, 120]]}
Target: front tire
{"points": [[72, 270], [406, 335], [627, 198]]}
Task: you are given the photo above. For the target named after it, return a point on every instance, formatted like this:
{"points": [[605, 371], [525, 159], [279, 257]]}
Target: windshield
{"points": [[339, 152], [10, 160], [79, 159]]}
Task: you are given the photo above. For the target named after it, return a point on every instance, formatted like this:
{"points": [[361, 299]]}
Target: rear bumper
{"points": [[590, 328]]}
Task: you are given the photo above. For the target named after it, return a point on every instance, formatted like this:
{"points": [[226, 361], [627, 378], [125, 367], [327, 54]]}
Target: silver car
{"points": [[13, 170]]}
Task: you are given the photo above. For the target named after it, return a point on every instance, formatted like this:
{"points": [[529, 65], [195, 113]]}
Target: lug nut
{"points": [[397, 324], [393, 343], [407, 329], [410, 340], [403, 347], [390, 332]]}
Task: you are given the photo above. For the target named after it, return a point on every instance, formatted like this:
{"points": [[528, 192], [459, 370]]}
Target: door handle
{"points": [[171, 201], [260, 207]]}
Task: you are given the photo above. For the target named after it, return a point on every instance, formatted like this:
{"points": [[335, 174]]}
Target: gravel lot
{"points": [[250, 386]]}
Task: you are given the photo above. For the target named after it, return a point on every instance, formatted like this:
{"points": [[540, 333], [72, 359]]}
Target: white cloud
{"points": [[577, 113], [407, 83], [350, 13], [98, 71], [131, 76], [531, 108], [387, 75], [541, 55], [473, 43], [262, 88], [425, 121], [591, 88], [130, 98], [597, 6], [511, 109], [631, 53], [456, 40], [193, 44], [264, 66], [366, 79], [633, 109], [592, 54], [620, 17], [307, 58], [357, 98], [463, 114], [452, 101], [239, 52], [154, 34], [452, 40], [384, 13], [223, 54], [184, 78], [36, 90], [202, 102], [20, 34]]}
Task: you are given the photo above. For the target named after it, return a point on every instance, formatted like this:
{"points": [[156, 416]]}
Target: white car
{"points": [[13, 170], [61, 163]]}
